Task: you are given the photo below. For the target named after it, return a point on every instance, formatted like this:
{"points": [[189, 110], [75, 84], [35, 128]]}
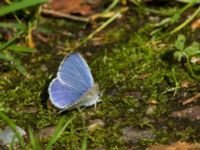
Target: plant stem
{"points": [[186, 22], [99, 29]]}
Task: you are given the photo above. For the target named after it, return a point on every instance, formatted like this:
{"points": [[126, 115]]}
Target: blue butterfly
{"points": [[74, 85]]}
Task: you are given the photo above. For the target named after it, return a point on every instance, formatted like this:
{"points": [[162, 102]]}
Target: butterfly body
{"points": [[74, 85], [91, 97]]}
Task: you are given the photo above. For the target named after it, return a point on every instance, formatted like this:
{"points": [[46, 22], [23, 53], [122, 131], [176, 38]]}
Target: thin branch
{"points": [[63, 15]]}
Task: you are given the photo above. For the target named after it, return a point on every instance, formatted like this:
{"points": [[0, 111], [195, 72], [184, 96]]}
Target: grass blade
{"points": [[34, 143], [11, 25], [18, 48], [16, 62], [59, 130], [84, 142], [13, 127], [3, 57], [3, 46], [19, 5]]}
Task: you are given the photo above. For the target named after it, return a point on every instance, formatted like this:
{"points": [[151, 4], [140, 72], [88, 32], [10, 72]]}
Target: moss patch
{"points": [[132, 70]]}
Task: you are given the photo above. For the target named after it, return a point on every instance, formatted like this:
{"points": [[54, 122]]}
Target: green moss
{"points": [[130, 73]]}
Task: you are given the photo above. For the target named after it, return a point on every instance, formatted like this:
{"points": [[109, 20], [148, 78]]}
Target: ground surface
{"points": [[140, 81]]}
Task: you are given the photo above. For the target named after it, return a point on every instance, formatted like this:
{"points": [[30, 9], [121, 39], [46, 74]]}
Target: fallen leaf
{"points": [[195, 60], [192, 113], [192, 99], [174, 146], [30, 41], [152, 101], [196, 24], [151, 109], [185, 84], [144, 76], [82, 7], [135, 94]]}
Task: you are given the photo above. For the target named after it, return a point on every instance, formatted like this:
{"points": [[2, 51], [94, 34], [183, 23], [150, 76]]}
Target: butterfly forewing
{"points": [[73, 80], [75, 73]]}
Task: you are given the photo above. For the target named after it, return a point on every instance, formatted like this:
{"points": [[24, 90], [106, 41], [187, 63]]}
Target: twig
{"points": [[90, 36], [112, 5], [186, 22], [192, 99], [62, 15], [5, 45]]}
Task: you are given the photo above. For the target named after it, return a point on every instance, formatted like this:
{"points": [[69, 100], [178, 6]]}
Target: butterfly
{"points": [[74, 85]]}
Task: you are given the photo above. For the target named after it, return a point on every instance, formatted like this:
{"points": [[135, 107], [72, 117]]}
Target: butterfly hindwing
{"points": [[62, 96]]}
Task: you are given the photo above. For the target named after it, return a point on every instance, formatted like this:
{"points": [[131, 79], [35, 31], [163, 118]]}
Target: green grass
{"points": [[13, 127], [19, 5], [131, 67], [60, 128]]}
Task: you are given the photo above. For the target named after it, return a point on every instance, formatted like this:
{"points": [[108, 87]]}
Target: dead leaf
{"points": [[151, 109], [30, 41], [192, 99], [195, 60], [185, 84], [192, 113], [135, 94], [144, 76], [83, 7], [152, 101], [196, 24], [174, 146]]}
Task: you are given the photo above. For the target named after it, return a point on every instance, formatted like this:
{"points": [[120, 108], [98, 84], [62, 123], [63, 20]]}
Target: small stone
{"points": [[151, 109], [44, 68], [30, 109], [134, 135], [94, 124], [8, 135], [45, 133], [185, 84], [175, 146], [191, 113]]}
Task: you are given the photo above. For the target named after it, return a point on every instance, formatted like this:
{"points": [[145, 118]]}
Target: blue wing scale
{"points": [[73, 80], [75, 72]]}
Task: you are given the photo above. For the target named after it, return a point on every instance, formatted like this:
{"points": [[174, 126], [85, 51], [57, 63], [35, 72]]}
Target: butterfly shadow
{"points": [[44, 96]]}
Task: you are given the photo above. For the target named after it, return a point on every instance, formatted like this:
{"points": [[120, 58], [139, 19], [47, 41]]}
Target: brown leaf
{"points": [[195, 60], [83, 7], [192, 113], [196, 24], [185, 84], [192, 99], [144, 76], [30, 41], [174, 146]]}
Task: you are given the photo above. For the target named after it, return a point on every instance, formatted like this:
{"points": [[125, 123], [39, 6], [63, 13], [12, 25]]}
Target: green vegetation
{"points": [[136, 64]]}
